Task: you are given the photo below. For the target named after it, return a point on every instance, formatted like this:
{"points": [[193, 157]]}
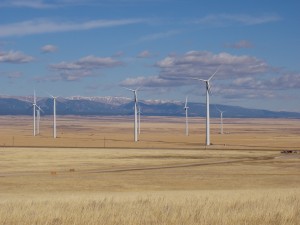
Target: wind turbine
{"points": [[186, 118], [207, 105], [221, 120], [135, 113], [54, 115]]}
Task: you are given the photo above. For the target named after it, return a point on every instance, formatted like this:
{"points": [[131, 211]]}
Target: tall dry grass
{"points": [[268, 207]]}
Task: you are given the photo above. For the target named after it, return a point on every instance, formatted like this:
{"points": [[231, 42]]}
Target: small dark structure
{"points": [[288, 152]]}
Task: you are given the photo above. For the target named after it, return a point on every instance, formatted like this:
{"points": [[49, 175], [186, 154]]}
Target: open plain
{"points": [[94, 173]]}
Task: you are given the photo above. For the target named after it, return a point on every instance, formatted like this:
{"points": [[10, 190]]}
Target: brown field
{"points": [[93, 173]]}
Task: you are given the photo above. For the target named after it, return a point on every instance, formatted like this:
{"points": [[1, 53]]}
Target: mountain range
{"points": [[109, 106]]}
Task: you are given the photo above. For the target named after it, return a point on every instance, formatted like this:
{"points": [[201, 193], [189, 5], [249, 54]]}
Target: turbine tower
{"points": [[34, 110], [207, 82], [38, 118], [139, 119], [135, 113], [54, 115], [186, 118], [221, 120]]}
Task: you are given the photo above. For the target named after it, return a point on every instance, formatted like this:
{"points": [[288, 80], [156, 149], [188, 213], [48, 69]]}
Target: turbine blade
{"points": [[214, 73], [39, 108], [34, 98], [129, 89], [186, 102], [49, 94], [199, 79]]}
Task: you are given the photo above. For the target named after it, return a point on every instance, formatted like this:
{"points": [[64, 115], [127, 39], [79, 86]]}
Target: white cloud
{"points": [[178, 70], [87, 63], [249, 83], [83, 67], [283, 81], [202, 64], [15, 57], [152, 81], [286, 81], [42, 26], [240, 77], [257, 87], [48, 48], [239, 93]]}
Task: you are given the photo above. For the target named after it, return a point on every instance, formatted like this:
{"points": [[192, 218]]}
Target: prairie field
{"points": [[94, 173]]}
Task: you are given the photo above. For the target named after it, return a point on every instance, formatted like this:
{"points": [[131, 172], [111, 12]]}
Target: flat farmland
{"points": [[94, 173], [156, 132]]}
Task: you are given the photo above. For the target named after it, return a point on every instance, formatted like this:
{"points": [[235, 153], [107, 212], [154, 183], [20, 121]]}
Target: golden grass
{"points": [[156, 132], [40, 170], [103, 177], [268, 207]]}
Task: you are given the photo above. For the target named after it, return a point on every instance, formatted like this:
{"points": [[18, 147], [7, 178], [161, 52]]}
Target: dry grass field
{"points": [[93, 173]]}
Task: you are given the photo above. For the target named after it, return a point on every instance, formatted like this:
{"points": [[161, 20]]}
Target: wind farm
{"points": [[93, 157], [160, 112]]}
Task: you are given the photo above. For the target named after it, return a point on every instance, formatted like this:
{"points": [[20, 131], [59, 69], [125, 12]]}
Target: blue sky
{"points": [[94, 48]]}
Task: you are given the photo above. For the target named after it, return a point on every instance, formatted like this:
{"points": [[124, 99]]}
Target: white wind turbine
{"points": [[186, 118], [54, 115], [221, 120], [207, 105], [135, 113]]}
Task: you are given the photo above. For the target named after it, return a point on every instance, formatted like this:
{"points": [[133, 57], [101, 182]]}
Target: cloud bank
{"points": [[83, 67], [240, 76]]}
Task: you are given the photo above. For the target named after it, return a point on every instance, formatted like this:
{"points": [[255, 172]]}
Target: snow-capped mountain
{"points": [[108, 106], [105, 99]]}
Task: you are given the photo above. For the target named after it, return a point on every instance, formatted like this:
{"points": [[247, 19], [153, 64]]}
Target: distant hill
{"points": [[124, 106]]}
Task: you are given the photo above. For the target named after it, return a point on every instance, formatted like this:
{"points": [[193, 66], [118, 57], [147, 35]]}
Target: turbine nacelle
{"points": [[134, 92], [208, 87], [220, 110]]}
